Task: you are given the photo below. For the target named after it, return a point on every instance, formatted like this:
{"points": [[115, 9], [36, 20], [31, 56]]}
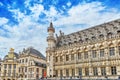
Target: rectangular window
{"points": [[94, 53], [112, 51], [56, 71], [14, 66], [30, 70], [49, 58], [26, 60], [61, 74], [67, 72], [113, 70], [56, 59], [73, 72], [86, 55], [22, 69], [43, 70], [61, 58], [119, 49], [72, 56], [10, 66], [22, 60], [67, 57], [101, 52], [25, 69], [5, 72], [95, 71], [5, 66], [14, 73], [79, 56], [19, 70], [86, 71], [103, 71], [80, 71], [9, 73]]}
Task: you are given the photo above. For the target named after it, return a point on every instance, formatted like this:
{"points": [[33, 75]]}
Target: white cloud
{"points": [[89, 14], [26, 33], [52, 12], [3, 21], [36, 10], [69, 4]]}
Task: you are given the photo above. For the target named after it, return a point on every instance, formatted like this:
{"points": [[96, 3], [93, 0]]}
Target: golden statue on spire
{"points": [[11, 49]]}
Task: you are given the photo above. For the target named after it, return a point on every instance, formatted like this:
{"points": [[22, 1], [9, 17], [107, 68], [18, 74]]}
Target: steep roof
{"points": [[90, 34], [33, 51], [15, 55]]}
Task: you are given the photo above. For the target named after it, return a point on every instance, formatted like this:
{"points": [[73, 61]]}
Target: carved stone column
{"points": [[76, 71], [99, 71], [108, 70], [90, 71], [64, 72]]}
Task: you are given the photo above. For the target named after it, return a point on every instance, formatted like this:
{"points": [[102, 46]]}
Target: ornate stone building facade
{"points": [[29, 64], [32, 64], [9, 66], [93, 53]]}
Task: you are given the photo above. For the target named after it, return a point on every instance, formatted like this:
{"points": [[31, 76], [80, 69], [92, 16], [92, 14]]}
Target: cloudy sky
{"points": [[24, 23]]}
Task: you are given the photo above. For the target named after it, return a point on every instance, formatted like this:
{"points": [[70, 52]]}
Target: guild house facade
{"points": [[32, 64], [29, 64], [9, 66], [93, 53]]}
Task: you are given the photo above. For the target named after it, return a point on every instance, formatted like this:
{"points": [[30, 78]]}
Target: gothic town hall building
{"points": [[93, 53]]}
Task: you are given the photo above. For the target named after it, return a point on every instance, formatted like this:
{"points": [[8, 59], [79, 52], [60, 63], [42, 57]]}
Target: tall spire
{"points": [[50, 38], [51, 24], [51, 28]]}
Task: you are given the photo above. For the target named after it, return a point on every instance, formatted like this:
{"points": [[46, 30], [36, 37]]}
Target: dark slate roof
{"points": [[91, 34], [34, 52], [16, 55]]}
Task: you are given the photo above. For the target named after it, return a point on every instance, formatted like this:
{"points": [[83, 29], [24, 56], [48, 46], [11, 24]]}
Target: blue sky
{"points": [[24, 23]]}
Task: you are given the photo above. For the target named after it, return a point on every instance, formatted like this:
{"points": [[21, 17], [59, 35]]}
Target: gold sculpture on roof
{"points": [[11, 49]]}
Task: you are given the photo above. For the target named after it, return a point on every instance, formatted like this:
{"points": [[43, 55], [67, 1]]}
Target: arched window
{"points": [[86, 39], [81, 41], [101, 36], [69, 43], [75, 41], [109, 35], [118, 32], [93, 37]]}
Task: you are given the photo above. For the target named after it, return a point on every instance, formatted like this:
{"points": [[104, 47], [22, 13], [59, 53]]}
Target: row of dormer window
{"points": [[23, 60]]}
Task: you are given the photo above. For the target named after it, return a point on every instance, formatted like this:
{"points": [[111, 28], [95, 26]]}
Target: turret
{"points": [[50, 50], [50, 38]]}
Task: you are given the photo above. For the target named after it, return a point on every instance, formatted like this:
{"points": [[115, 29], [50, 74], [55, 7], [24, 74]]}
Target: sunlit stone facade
{"points": [[93, 53], [32, 64], [9, 66], [29, 64]]}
